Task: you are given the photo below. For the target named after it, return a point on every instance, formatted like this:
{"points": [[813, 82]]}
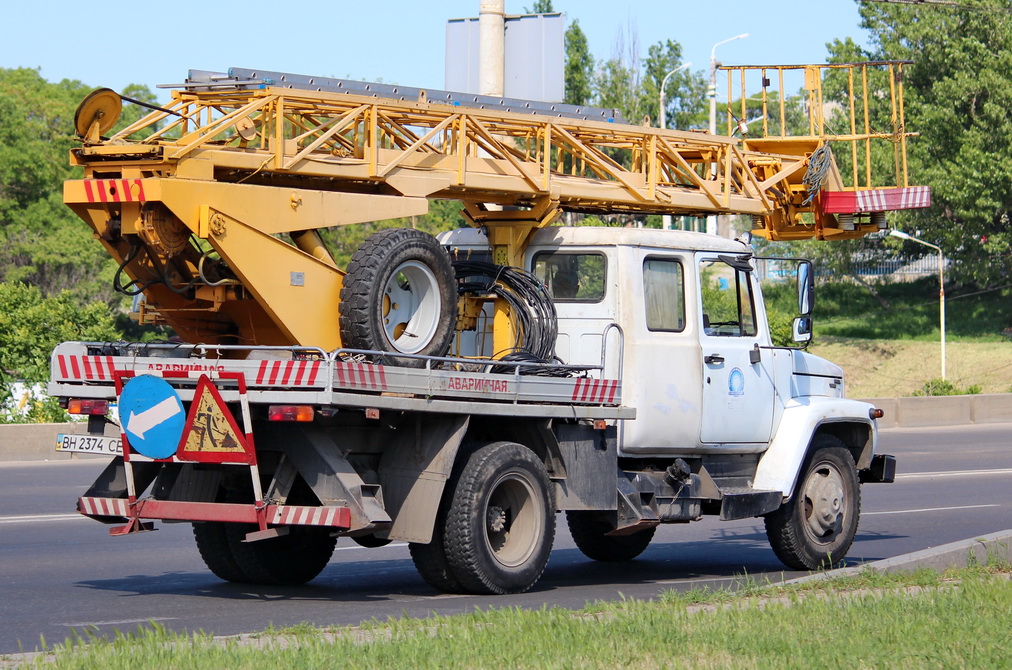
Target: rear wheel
{"points": [[589, 533], [399, 295], [214, 550], [501, 523], [432, 564], [816, 527], [295, 558]]}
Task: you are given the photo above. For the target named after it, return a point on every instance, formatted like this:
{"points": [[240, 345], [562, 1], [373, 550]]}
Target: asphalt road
{"points": [[62, 573]]}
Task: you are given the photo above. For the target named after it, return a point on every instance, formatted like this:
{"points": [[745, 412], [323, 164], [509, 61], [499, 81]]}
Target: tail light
{"points": [[290, 413], [87, 406]]}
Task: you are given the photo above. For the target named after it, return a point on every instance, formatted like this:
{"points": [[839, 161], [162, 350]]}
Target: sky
{"points": [[113, 43]]}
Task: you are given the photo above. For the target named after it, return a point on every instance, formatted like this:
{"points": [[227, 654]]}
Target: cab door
{"points": [[738, 386]]}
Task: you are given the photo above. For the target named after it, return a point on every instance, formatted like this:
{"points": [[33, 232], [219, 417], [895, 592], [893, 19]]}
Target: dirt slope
{"points": [[891, 368]]}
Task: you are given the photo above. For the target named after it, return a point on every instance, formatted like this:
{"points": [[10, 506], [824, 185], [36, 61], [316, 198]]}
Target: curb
{"points": [[975, 551]]}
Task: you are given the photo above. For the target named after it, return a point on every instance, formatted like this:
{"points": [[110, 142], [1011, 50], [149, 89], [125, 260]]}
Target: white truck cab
{"points": [[712, 392]]}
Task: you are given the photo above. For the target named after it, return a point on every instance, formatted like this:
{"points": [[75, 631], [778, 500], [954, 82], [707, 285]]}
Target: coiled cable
{"points": [[818, 170], [531, 306]]}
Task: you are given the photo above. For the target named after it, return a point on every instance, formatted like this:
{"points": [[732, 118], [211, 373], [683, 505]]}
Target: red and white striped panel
{"points": [[360, 376], [114, 190], [310, 516], [85, 368], [287, 373], [595, 391], [102, 506], [876, 200]]}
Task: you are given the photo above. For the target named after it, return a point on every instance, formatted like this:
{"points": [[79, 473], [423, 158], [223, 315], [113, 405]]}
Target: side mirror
{"points": [[806, 291], [803, 329]]}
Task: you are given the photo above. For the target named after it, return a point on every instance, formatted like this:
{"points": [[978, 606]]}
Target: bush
{"points": [[940, 387], [30, 328], [781, 328]]}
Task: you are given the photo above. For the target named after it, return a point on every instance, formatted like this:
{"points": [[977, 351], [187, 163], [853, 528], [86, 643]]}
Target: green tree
{"points": [[958, 95], [579, 66], [41, 241], [31, 325], [540, 7], [684, 93]]}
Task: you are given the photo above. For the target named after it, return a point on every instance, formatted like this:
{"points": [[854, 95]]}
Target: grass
{"points": [[896, 368], [893, 351], [920, 619], [844, 309]]}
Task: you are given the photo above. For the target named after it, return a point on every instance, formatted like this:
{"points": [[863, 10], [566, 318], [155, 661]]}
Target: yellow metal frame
{"points": [[862, 100], [253, 173]]}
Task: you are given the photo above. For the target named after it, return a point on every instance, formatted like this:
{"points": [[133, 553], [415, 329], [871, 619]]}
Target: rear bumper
{"points": [[119, 510]]}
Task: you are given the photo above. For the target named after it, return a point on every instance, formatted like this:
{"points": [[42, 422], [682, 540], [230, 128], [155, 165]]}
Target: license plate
{"points": [[90, 444]]}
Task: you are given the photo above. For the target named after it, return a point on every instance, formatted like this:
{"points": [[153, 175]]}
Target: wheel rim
{"points": [[513, 523], [826, 503], [411, 307]]}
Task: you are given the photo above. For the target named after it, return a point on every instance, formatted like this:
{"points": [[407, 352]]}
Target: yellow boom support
{"points": [[247, 171]]}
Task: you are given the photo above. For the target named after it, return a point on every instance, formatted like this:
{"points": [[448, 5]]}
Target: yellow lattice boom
{"points": [[239, 167]]}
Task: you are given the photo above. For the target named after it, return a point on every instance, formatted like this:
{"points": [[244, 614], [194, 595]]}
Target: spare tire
{"points": [[399, 296]]}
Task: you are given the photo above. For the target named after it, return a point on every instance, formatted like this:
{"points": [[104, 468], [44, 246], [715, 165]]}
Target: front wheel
{"points": [[816, 527], [501, 523]]}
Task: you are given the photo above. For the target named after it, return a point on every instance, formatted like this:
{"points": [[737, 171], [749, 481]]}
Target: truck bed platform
{"points": [[344, 378]]}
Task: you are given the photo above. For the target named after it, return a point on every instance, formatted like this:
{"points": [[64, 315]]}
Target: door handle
{"points": [[710, 359]]}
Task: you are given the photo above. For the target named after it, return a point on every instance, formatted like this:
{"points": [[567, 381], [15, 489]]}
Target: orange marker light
{"points": [[87, 406], [302, 413]]}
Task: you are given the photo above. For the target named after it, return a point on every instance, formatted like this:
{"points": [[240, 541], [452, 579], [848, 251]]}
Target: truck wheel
{"points": [[213, 547], [399, 295], [816, 527], [291, 559], [501, 523], [432, 565], [370, 541], [588, 530]]}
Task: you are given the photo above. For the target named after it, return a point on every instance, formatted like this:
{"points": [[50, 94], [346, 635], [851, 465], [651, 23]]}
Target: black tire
{"points": [[501, 523], [588, 530], [431, 562], [815, 528], [212, 544], [399, 295], [370, 541], [291, 559]]}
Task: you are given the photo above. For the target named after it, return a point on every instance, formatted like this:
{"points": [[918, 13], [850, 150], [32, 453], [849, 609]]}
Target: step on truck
{"points": [[456, 393]]}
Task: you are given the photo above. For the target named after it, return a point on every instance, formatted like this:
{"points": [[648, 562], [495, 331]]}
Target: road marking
{"points": [[928, 509], [117, 623], [954, 473], [39, 517], [389, 546]]}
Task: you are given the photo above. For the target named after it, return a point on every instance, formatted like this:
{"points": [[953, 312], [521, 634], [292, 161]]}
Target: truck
{"points": [[457, 393]]}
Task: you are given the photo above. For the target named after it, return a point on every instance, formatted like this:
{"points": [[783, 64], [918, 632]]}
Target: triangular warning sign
{"points": [[211, 434]]}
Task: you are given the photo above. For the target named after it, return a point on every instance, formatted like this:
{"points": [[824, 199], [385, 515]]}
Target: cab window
{"points": [[572, 277], [728, 304], [664, 294]]}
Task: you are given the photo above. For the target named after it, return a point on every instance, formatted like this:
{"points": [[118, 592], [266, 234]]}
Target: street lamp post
{"points": [[662, 115], [713, 107], [941, 284], [713, 80]]}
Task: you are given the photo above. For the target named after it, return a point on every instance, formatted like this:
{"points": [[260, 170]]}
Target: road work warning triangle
{"points": [[211, 434]]}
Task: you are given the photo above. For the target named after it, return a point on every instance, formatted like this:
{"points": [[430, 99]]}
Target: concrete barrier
{"points": [[37, 442], [955, 410]]}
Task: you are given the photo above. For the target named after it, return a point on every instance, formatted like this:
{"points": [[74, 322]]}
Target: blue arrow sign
{"points": [[152, 416]]}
